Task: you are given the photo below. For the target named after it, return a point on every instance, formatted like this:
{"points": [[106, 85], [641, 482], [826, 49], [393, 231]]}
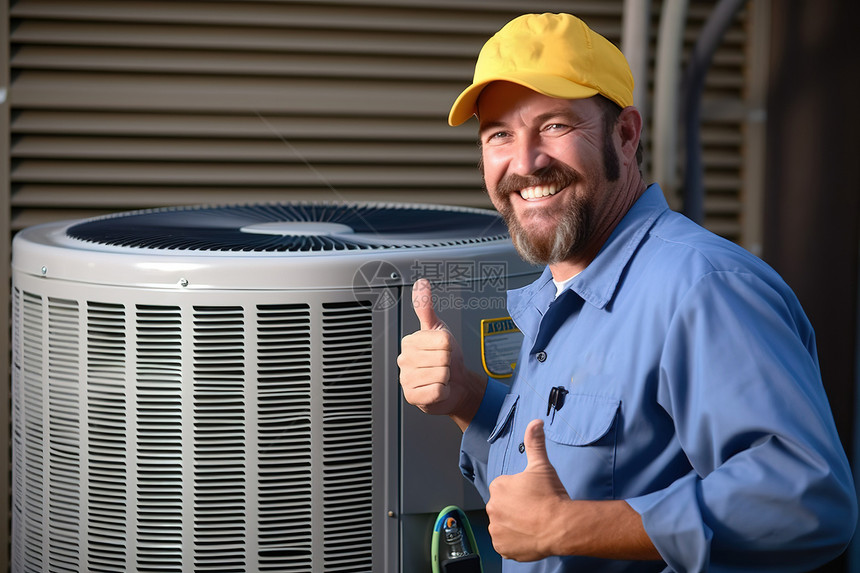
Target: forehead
{"points": [[505, 102]]}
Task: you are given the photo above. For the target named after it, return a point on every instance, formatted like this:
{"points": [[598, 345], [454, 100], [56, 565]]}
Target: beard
{"points": [[569, 230], [572, 227]]}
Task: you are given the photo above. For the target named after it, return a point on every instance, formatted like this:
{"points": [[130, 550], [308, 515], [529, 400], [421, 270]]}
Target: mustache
{"points": [[555, 174]]}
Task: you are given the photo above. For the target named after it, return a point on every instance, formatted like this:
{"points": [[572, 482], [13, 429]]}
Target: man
{"points": [[667, 412]]}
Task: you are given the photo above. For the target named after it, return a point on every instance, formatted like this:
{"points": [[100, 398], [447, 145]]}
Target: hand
{"points": [[433, 374], [521, 506]]}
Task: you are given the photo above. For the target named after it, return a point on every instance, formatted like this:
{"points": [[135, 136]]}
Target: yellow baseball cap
{"points": [[554, 54]]}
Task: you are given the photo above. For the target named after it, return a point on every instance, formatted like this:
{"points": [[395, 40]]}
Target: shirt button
{"points": [[541, 356], [522, 447]]}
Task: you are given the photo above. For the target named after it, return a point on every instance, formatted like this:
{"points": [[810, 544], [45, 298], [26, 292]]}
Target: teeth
{"points": [[538, 191]]}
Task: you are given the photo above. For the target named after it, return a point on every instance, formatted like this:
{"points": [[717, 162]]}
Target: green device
{"points": [[453, 546]]}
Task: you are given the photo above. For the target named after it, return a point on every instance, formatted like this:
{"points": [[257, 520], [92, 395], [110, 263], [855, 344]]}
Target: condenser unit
{"points": [[215, 389]]}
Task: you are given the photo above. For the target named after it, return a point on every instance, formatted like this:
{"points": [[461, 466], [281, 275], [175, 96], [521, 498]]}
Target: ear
{"points": [[629, 129]]}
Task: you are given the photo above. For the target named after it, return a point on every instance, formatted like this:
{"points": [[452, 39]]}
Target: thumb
{"points": [[422, 302], [535, 442]]}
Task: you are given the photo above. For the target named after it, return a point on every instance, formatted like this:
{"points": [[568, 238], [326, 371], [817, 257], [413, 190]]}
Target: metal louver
{"points": [[347, 425], [128, 452], [285, 446]]}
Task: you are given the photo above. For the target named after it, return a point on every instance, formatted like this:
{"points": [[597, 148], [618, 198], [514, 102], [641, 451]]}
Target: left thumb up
{"points": [[540, 473], [535, 443], [521, 505]]}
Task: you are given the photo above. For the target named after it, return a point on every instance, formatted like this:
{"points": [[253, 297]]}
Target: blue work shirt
{"points": [[694, 394]]}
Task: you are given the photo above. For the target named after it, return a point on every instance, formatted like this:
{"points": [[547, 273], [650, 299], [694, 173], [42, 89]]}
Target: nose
{"points": [[529, 156]]}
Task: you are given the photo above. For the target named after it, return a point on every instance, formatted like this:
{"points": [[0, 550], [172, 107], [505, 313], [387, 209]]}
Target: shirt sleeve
{"points": [[474, 447], [770, 486]]}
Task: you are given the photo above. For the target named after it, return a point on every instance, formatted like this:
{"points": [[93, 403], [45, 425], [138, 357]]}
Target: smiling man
{"points": [[667, 411]]}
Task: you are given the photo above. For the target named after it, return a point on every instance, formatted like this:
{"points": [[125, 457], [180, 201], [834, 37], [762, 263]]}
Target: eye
{"points": [[556, 128], [496, 136]]}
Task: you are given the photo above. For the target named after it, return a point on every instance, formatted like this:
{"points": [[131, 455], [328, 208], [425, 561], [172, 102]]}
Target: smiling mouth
{"points": [[539, 191]]}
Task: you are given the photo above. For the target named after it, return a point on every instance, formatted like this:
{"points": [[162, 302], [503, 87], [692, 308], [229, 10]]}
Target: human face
{"points": [[548, 166]]}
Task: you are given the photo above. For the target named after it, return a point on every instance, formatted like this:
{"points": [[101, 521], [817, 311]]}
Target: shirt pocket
{"points": [[583, 420], [581, 444], [500, 437]]}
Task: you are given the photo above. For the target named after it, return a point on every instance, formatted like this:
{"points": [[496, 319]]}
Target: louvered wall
{"points": [[122, 104]]}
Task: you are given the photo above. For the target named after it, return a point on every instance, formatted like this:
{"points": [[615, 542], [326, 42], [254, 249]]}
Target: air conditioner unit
{"points": [[215, 389]]}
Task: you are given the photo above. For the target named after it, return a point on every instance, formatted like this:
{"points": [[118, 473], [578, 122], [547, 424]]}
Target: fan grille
{"points": [[287, 228]]}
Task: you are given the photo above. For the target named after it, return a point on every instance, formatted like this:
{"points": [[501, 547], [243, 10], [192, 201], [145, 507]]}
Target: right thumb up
{"points": [[422, 302]]}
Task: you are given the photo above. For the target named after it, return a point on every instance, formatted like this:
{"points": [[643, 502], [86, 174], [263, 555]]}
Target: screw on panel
{"points": [[44, 271], [183, 282]]}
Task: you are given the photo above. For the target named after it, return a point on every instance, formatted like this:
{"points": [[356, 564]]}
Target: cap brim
{"points": [[465, 106]]}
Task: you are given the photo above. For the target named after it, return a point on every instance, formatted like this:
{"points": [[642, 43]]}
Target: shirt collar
{"points": [[599, 281]]}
